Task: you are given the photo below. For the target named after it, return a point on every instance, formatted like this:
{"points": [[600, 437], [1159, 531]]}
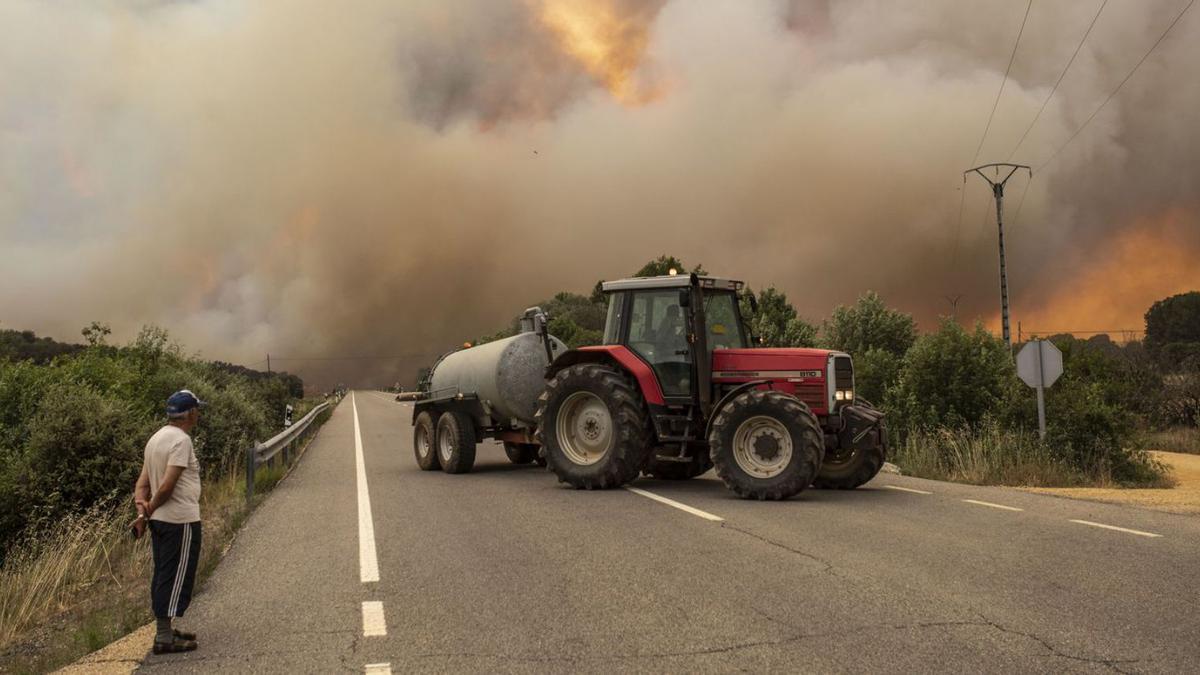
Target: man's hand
{"points": [[139, 526]]}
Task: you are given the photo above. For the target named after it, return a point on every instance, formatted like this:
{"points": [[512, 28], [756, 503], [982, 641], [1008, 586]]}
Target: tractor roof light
{"points": [[672, 271]]}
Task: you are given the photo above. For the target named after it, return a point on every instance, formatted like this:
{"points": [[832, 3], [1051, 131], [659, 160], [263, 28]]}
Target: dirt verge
{"points": [[1183, 498]]}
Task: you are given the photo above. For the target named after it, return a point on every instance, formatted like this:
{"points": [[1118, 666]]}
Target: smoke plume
{"points": [[331, 182]]}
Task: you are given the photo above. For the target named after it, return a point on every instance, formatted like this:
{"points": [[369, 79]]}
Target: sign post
{"points": [[1040, 364]]}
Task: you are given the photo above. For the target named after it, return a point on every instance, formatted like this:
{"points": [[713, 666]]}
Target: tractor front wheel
{"points": [[593, 426], [766, 445]]}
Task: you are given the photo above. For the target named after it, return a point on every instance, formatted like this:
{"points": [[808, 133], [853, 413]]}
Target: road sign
{"points": [[1040, 364]]}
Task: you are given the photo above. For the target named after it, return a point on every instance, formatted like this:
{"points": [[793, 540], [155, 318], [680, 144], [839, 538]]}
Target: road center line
{"points": [[904, 489], [368, 563], [994, 506], [1118, 529], [671, 502], [378, 669], [373, 622]]}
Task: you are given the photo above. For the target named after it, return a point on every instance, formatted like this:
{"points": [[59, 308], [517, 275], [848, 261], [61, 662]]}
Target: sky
{"points": [[334, 183]]}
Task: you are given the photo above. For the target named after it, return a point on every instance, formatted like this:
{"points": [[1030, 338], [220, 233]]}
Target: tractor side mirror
{"points": [[753, 302], [685, 298]]}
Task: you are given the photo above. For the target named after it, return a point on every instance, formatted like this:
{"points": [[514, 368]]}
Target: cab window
{"points": [[722, 321]]}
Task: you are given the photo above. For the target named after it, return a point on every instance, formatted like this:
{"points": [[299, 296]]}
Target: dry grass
{"points": [[1179, 439], [991, 455], [50, 571]]}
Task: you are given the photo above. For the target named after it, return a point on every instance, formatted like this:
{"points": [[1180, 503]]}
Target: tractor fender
{"points": [[729, 396], [618, 356]]}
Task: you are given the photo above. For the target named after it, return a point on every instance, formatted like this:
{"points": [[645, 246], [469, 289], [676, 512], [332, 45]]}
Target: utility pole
{"points": [[998, 193], [268, 364]]}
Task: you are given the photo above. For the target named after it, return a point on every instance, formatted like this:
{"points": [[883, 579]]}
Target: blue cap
{"points": [[182, 401]]}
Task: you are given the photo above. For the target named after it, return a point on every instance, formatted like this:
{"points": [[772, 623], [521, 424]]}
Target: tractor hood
{"points": [[774, 359]]}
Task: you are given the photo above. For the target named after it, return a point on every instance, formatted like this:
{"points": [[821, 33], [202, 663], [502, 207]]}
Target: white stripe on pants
{"points": [[181, 572]]}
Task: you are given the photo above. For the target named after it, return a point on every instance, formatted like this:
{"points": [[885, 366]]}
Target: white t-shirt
{"points": [[171, 446]]}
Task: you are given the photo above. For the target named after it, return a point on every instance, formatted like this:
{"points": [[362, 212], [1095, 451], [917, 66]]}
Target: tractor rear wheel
{"points": [[593, 426], [520, 453], [455, 442], [766, 445], [423, 445], [656, 468]]}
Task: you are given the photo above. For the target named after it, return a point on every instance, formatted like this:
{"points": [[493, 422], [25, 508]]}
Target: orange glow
{"points": [[608, 44], [1155, 259]]}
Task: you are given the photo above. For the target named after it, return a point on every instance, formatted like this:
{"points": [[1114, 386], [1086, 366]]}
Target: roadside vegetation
{"points": [[73, 420], [956, 409]]}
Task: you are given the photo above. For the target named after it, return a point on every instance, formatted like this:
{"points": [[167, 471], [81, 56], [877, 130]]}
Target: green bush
{"points": [[875, 373], [869, 324], [950, 378]]}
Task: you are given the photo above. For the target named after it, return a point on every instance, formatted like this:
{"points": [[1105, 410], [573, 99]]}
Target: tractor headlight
{"points": [[844, 395]]}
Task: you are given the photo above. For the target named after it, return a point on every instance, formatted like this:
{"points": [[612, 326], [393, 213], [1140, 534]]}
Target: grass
{"points": [[1178, 439], [991, 455], [87, 579]]}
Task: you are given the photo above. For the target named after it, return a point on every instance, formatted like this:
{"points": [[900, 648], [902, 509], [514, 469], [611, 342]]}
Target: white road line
{"points": [[994, 506], [378, 669], [671, 502], [904, 489], [368, 564], [1118, 529], [373, 621]]}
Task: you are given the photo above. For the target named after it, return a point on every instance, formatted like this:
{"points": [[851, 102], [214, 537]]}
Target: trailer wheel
{"points": [[455, 442], [424, 432], [700, 464], [766, 445], [520, 453], [593, 426]]}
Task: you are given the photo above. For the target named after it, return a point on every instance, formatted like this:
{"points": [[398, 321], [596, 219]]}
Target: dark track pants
{"points": [[176, 553]]}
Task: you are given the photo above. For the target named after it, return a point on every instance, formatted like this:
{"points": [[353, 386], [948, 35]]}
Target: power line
{"points": [[995, 104], [1059, 81], [1122, 84]]}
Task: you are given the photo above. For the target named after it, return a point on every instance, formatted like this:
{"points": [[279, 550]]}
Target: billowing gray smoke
{"points": [[313, 179]]}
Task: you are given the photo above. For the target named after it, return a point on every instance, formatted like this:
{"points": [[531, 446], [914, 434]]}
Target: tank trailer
{"points": [[677, 388]]}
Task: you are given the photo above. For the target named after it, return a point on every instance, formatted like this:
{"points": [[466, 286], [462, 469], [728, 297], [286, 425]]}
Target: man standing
{"points": [[167, 497]]}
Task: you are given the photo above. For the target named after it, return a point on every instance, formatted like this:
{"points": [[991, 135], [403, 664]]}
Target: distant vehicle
{"points": [[676, 388]]}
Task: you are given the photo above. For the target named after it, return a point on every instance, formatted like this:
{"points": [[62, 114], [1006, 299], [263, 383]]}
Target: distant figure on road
{"points": [[167, 498]]}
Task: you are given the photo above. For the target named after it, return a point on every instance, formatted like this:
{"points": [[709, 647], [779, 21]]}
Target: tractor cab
{"points": [[674, 323]]}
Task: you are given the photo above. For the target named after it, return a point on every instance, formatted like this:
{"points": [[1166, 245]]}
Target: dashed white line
{"points": [[994, 506], [904, 489], [373, 621], [368, 563], [378, 669], [1118, 529], [671, 502]]}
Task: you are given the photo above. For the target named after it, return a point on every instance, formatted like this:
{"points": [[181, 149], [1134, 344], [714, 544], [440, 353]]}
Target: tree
{"points": [[869, 324], [951, 378], [776, 321], [95, 333], [663, 264], [1173, 328]]}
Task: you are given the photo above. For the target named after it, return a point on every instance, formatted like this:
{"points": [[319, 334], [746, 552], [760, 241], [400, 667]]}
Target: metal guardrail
{"points": [[286, 442]]}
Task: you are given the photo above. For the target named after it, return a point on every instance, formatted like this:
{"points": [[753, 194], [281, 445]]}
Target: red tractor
{"points": [[677, 388]]}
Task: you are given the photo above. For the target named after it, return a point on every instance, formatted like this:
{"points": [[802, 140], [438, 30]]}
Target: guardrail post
{"points": [[251, 456]]}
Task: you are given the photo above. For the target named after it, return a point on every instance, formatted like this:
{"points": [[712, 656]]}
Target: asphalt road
{"points": [[505, 570]]}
